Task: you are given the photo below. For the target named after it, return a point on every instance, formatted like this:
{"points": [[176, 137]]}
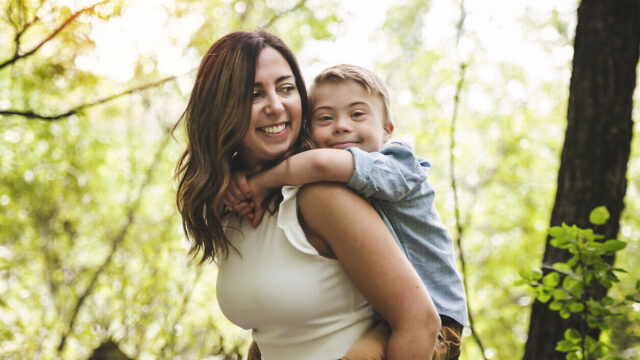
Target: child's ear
{"points": [[388, 130]]}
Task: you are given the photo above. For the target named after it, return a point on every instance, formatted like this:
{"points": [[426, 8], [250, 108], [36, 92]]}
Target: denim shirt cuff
{"points": [[361, 179]]}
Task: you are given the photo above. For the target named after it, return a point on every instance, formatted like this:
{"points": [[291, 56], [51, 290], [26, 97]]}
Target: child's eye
{"points": [[358, 113], [324, 118]]}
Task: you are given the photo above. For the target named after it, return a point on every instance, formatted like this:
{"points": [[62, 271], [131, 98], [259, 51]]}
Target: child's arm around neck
{"points": [[317, 165]]}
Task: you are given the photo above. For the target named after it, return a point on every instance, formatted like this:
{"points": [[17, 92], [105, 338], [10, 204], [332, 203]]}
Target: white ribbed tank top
{"points": [[299, 304]]}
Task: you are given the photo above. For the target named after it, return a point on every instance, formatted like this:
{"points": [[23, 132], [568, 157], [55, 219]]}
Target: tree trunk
{"points": [[594, 158]]}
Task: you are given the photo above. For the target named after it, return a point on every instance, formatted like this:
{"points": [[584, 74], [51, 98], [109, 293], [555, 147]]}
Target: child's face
{"points": [[344, 114]]}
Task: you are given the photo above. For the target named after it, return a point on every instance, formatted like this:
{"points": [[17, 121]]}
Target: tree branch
{"points": [[32, 115], [17, 56], [279, 15], [25, 27], [170, 344], [459, 228], [115, 242]]}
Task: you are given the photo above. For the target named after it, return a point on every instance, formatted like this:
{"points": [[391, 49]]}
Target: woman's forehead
{"points": [[271, 66]]}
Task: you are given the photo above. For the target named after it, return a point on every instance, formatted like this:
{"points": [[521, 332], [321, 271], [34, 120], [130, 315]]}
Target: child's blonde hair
{"points": [[365, 78]]}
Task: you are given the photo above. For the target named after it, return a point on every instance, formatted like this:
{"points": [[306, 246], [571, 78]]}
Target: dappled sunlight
{"points": [[91, 243]]}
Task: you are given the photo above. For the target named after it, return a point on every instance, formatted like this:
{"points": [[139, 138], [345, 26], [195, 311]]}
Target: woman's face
{"points": [[276, 114]]}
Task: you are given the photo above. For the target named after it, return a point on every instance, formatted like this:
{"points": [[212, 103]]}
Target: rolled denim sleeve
{"points": [[390, 174]]}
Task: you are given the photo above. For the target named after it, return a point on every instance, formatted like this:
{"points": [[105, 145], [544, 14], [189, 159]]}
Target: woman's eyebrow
{"points": [[278, 80]]}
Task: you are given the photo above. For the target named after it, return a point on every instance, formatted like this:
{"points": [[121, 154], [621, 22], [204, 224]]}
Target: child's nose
{"points": [[342, 124]]}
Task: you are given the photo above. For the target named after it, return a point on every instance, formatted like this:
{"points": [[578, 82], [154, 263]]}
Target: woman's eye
{"points": [[256, 94], [287, 89]]}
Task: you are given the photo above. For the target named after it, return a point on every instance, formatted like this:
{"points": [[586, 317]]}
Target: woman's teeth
{"points": [[274, 129]]}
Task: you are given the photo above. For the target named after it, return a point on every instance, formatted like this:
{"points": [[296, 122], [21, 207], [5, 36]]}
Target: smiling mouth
{"points": [[344, 144], [273, 129]]}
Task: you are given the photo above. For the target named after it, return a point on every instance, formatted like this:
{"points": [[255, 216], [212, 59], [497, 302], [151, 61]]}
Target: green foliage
{"points": [[565, 286], [85, 171], [91, 245]]}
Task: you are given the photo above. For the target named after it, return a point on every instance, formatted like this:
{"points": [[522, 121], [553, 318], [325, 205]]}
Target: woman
{"points": [[300, 279]]}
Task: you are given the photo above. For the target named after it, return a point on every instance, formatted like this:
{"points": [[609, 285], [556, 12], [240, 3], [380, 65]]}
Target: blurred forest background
{"points": [[92, 253]]}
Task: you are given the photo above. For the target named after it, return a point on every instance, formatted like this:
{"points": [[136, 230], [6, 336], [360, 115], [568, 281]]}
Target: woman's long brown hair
{"points": [[216, 120]]}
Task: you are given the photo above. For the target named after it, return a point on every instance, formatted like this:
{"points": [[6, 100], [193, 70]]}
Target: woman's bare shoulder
{"points": [[327, 193]]}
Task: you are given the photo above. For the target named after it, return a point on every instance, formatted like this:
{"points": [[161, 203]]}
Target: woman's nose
{"points": [[274, 104]]}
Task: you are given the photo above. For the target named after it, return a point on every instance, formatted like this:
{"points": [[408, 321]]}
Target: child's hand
{"points": [[237, 196], [258, 194]]}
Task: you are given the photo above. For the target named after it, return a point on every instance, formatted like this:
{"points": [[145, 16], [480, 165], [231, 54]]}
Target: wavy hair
{"points": [[216, 120]]}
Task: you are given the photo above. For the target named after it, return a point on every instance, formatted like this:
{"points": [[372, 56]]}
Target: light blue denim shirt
{"points": [[394, 180]]}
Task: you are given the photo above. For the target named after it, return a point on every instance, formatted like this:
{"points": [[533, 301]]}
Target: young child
{"points": [[351, 111]]}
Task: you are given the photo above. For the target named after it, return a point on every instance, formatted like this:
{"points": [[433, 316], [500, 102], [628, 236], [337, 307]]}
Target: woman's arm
{"points": [[369, 254]]}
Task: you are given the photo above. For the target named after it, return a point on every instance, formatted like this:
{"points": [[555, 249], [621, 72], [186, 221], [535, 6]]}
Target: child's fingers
{"points": [[258, 213], [239, 186], [236, 192], [243, 186], [234, 196], [247, 208], [241, 207]]}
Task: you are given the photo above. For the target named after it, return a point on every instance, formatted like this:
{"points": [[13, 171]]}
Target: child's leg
{"points": [[449, 341], [254, 352], [372, 345]]}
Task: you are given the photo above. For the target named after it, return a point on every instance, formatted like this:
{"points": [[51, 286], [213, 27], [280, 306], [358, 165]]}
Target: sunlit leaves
{"points": [[570, 297], [69, 188], [599, 215]]}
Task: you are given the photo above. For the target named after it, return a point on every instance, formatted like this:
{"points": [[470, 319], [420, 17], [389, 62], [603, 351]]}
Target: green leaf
{"points": [[573, 356], [613, 245], [562, 267], [557, 231], [573, 261], [566, 346], [536, 274], [524, 274], [576, 307], [576, 290], [520, 282], [551, 280], [555, 306], [572, 334], [606, 283], [599, 215], [544, 296], [611, 276], [606, 301], [560, 294]]}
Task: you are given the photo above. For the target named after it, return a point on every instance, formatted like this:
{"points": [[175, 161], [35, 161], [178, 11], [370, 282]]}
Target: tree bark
{"points": [[594, 158]]}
